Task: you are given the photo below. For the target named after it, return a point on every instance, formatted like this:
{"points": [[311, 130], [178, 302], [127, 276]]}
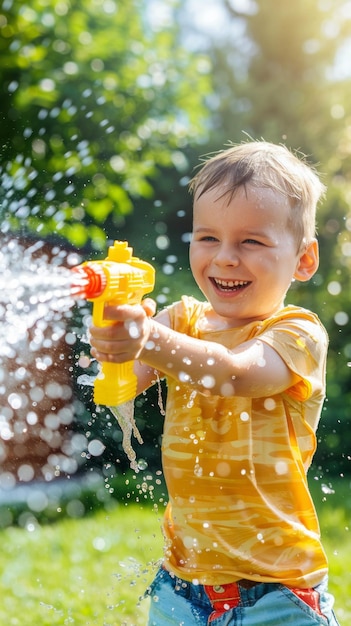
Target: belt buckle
{"points": [[223, 598]]}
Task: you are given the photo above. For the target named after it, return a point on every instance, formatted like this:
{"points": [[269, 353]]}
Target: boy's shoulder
{"points": [[186, 311], [296, 327], [185, 316], [190, 308], [294, 315]]}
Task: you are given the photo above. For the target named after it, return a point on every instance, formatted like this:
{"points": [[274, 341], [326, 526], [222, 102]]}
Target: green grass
{"points": [[333, 503], [89, 571], [92, 571]]}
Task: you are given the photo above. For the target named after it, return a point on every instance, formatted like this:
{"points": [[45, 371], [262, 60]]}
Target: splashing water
{"points": [[35, 385], [124, 415], [35, 298], [31, 289]]}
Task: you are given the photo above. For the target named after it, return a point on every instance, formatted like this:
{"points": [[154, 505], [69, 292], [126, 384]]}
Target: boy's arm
{"points": [[253, 369], [147, 374]]}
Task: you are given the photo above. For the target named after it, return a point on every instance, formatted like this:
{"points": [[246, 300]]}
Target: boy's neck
{"points": [[213, 321]]}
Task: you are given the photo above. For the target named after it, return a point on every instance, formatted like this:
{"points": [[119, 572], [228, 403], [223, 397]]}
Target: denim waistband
{"points": [[228, 596]]}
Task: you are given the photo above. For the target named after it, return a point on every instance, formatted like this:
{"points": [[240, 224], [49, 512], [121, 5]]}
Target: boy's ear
{"points": [[308, 262]]}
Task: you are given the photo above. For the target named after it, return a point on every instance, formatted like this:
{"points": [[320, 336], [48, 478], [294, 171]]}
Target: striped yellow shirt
{"points": [[239, 504]]}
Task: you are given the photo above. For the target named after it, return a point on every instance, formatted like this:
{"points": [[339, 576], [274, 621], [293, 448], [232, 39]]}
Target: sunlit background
{"points": [[106, 107]]}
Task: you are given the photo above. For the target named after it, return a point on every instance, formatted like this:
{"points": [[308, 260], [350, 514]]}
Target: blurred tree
{"points": [[104, 114], [273, 70], [98, 102], [95, 100]]}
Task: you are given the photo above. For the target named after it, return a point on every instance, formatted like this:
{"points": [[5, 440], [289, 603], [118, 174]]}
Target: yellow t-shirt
{"points": [[235, 468]]}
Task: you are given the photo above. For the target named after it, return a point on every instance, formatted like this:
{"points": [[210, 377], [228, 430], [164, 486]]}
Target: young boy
{"points": [[246, 383]]}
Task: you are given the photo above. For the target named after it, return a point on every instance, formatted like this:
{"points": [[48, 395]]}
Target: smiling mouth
{"points": [[229, 285]]}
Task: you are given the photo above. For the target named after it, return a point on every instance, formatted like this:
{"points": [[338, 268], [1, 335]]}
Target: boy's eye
{"points": [[208, 238], [253, 241]]}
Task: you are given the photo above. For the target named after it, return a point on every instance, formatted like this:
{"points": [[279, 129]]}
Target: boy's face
{"points": [[242, 255]]}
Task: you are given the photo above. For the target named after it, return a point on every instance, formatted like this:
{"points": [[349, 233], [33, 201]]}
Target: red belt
{"points": [[226, 597]]}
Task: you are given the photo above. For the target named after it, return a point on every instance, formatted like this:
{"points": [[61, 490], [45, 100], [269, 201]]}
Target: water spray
{"points": [[37, 291]]}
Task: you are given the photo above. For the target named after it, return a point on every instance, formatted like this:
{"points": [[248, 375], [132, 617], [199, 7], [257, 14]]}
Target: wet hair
{"points": [[261, 164]]}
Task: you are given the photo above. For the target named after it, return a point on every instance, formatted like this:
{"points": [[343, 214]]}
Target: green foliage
{"points": [[104, 116], [95, 99], [274, 80]]}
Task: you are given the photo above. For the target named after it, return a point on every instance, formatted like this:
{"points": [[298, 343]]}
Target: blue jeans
{"points": [[175, 602]]}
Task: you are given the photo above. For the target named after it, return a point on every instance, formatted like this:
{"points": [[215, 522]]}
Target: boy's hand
{"points": [[126, 336]]}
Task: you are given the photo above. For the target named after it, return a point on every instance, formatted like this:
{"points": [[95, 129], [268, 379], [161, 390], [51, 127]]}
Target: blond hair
{"points": [[262, 164]]}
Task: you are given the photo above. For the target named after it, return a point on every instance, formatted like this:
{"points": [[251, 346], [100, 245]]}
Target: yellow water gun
{"points": [[121, 278]]}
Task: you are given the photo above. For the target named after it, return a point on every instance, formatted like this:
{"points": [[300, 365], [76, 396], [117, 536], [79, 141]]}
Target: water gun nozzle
{"points": [[88, 280]]}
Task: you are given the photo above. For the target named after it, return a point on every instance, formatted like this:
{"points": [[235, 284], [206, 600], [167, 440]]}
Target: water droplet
{"points": [[14, 400], [96, 447], [208, 381], [99, 544], [327, 489], [244, 416], [281, 468], [198, 470], [184, 377], [223, 469], [227, 390], [341, 318], [133, 330], [142, 464], [190, 403], [269, 404], [162, 242], [334, 288]]}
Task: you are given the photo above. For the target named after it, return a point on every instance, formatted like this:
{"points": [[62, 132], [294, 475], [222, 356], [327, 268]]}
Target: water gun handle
{"points": [[115, 384], [119, 279]]}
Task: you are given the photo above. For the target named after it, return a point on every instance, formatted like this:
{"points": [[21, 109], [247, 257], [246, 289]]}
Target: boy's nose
{"points": [[227, 255]]}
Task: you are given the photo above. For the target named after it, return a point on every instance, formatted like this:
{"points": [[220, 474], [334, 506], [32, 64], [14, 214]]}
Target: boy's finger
{"points": [[120, 313], [149, 306]]}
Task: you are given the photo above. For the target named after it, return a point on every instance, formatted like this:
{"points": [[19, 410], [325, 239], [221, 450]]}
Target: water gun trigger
{"points": [[98, 315]]}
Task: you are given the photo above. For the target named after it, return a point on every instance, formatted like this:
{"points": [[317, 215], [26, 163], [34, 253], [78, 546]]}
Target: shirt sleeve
{"points": [[302, 342], [184, 315]]}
